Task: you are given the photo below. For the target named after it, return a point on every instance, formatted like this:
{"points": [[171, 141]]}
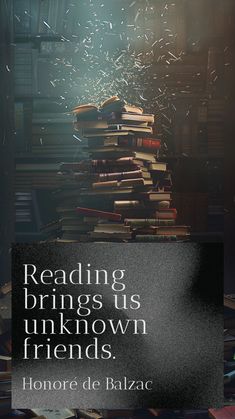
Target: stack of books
{"points": [[122, 191]]}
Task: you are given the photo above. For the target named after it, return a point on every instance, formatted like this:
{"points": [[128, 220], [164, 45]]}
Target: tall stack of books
{"points": [[122, 191]]}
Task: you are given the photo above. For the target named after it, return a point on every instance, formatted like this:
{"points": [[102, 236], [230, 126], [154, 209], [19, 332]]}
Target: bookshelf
{"points": [[7, 140], [37, 39]]}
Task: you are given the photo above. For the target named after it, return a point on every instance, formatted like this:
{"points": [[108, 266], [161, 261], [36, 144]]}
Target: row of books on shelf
{"points": [[199, 127], [30, 176], [43, 17], [53, 135]]}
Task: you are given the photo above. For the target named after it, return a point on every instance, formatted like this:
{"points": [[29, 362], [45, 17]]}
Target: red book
{"points": [[168, 213], [227, 412], [90, 212], [149, 143]]}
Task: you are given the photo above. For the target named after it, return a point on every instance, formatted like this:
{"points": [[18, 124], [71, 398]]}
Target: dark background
{"points": [[52, 59]]}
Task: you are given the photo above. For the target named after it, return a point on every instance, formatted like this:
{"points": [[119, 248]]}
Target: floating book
{"points": [[114, 103], [89, 111]]}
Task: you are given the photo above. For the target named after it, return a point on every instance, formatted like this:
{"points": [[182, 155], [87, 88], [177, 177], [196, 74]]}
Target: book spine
{"points": [[116, 183], [132, 182], [126, 204], [121, 162], [153, 238], [120, 175], [89, 212], [166, 215], [149, 222], [108, 184], [140, 143]]}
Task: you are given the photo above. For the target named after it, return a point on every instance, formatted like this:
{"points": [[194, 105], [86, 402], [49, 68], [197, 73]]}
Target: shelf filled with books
{"points": [[195, 155], [36, 17], [44, 137]]}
